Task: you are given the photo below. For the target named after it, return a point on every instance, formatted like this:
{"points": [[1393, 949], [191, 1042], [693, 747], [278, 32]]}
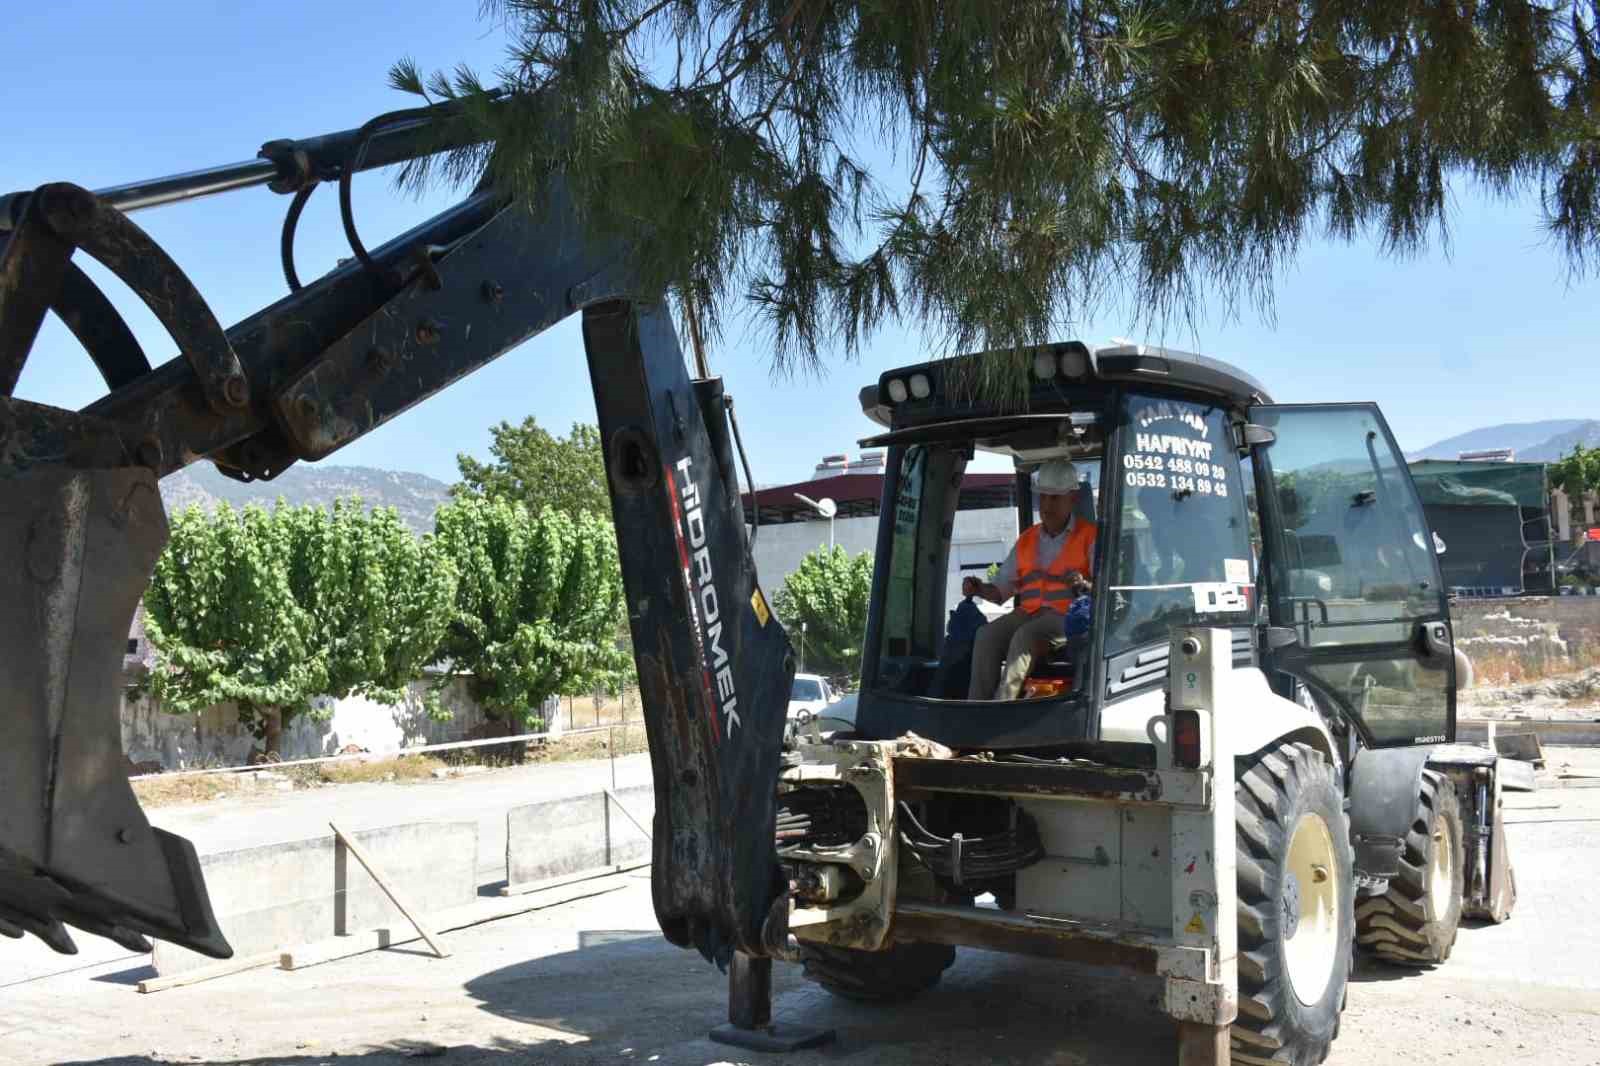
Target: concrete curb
{"points": [[1563, 734], [273, 895], [578, 834]]}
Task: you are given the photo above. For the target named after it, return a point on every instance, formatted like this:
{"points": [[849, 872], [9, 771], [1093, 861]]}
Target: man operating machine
{"points": [[1038, 572]]}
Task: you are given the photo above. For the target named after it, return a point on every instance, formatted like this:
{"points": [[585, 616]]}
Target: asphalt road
{"points": [[591, 981]]}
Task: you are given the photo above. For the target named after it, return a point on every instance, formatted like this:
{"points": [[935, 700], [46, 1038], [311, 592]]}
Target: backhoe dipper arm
{"points": [[81, 516]]}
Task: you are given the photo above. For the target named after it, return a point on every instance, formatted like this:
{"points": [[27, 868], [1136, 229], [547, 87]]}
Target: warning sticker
{"points": [[1215, 596], [1196, 924], [758, 603], [1236, 571]]}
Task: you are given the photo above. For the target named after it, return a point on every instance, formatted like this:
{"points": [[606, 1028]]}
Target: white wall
{"points": [[215, 737]]}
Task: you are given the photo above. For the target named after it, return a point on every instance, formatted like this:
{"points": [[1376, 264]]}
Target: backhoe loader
{"points": [[1242, 773]]}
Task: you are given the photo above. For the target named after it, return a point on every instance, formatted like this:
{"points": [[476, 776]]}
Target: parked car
{"points": [[810, 693], [812, 697]]}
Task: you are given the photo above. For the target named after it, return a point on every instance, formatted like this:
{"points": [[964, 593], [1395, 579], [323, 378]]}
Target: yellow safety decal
{"points": [[759, 604], [1196, 924]]}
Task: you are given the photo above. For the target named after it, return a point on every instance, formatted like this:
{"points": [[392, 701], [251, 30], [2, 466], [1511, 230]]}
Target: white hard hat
{"points": [[1058, 477]]}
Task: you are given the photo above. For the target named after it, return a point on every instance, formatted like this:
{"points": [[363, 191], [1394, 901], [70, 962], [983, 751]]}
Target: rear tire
{"points": [[1415, 922], [1296, 907], [897, 974]]}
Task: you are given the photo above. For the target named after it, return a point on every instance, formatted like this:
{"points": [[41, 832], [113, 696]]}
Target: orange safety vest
{"points": [[1045, 588]]}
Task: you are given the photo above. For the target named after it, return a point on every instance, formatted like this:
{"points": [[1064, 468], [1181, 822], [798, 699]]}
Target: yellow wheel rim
{"points": [[1310, 915], [1441, 881]]}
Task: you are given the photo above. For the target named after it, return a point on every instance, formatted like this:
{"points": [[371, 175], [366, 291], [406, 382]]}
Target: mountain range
{"points": [[1534, 442], [414, 496]]}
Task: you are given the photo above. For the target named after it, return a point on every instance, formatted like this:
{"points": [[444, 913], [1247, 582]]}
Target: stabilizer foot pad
{"points": [[772, 1038]]}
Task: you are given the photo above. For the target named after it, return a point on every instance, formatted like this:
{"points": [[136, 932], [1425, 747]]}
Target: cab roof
{"points": [[899, 398]]}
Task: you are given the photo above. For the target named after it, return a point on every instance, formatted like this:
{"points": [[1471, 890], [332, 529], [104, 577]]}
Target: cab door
{"points": [[1356, 608]]}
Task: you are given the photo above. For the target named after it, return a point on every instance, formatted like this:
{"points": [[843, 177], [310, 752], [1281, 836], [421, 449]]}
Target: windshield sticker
{"points": [[1214, 597], [1171, 451], [1236, 571]]}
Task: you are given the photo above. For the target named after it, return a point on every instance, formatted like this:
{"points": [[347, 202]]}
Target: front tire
{"points": [[1415, 922], [1296, 906], [894, 975]]}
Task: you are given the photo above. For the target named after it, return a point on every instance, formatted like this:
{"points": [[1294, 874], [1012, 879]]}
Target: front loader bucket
{"points": [[77, 547]]}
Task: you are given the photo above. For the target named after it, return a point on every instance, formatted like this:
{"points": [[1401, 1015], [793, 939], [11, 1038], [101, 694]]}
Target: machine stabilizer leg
{"points": [[750, 1024], [1203, 1045]]}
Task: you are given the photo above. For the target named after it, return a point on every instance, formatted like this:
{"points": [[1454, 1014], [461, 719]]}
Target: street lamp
{"points": [[824, 507], [802, 647]]}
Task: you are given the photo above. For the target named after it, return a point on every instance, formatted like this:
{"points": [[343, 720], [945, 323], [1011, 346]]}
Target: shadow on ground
{"points": [[625, 996]]}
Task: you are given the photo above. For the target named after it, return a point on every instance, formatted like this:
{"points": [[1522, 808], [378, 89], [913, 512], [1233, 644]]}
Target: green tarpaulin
{"points": [[1494, 520]]}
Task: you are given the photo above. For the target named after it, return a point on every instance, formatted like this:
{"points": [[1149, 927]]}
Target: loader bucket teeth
{"points": [[75, 847]]}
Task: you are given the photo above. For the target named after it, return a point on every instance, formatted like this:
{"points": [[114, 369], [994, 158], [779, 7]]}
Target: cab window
{"points": [[924, 506], [1183, 555], [1354, 571]]}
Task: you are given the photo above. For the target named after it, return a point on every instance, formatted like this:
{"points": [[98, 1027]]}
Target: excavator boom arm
{"points": [[327, 363]]}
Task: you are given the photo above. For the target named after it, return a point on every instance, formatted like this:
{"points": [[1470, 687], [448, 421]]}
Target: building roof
{"points": [[858, 494]]}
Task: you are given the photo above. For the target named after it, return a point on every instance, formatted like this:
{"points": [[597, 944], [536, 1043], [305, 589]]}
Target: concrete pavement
{"points": [[592, 981]]}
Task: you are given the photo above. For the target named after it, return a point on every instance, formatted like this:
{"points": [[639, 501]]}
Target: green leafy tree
{"points": [[270, 609], [1577, 475], [1053, 158], [538, 604], [828, 592], [566, 474]]}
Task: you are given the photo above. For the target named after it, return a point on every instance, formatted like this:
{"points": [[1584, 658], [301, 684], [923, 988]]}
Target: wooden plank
{"points": [[366, 860], [612, 797], [238, 964], [568, 879], [485, 910], [341, 947]]}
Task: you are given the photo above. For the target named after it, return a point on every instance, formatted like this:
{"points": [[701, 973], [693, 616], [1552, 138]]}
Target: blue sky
{"points": [[101, 94]]}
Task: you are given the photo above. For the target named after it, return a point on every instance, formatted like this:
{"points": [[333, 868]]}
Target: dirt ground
{"points": [[1563, 698], [165, 790], [591, 981]]}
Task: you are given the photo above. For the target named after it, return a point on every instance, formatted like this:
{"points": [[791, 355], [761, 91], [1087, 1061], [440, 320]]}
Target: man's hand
{"points": [[971, 586]]}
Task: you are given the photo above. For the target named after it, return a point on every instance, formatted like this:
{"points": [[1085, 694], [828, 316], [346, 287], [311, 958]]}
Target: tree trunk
{"points": [[272, 733]]}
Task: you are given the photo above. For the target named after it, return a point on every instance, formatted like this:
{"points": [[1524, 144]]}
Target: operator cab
{"points": [[1162, 441]]}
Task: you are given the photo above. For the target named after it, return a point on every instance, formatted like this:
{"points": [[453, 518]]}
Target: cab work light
{"points": [[1074, 364]]}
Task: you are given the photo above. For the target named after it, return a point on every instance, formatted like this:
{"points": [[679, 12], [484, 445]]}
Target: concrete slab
{"points": [[593, 982], [279, 896], [250, 819], [269, 817], [577, 833]]}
